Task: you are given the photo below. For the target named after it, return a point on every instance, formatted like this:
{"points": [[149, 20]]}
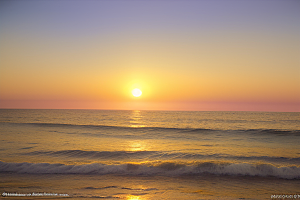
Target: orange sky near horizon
{"points": [[181, 58]]}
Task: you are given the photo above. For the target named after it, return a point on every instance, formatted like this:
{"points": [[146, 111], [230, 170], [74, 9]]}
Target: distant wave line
{"points": [[107, 126], [186, 130]]}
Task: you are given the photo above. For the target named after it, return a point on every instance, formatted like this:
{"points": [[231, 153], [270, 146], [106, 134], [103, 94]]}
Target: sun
{"points": [[136, 92]]}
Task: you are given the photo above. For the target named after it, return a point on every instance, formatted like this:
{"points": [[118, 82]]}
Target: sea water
{"points": [[91, 154]]}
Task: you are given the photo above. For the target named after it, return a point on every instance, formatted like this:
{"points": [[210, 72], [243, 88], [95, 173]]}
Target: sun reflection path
{"points": [[131, 197], [136, 119], [136, 146]]}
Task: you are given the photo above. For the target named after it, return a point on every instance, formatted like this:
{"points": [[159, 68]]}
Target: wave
{"points": [[185, 130], [273, 131], [158, 155], [97, 154], [92, 126], [165, 168]]}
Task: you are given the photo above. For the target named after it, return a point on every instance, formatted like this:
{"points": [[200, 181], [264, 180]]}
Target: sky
{"points": [[206, 55]]}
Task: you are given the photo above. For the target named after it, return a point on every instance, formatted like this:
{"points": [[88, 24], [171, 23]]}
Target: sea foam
{"points": [[166, 168]]}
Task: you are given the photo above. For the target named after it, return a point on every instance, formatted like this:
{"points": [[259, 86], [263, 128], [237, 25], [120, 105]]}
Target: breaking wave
{"points": [[165, 168]]}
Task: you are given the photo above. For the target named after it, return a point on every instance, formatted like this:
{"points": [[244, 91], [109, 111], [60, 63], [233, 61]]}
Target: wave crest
{"points": [[165, 168], [156, 155]]}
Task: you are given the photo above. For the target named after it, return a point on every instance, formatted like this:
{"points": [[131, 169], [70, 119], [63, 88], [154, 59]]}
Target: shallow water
{"points": [[90, 186], [150, 154]]}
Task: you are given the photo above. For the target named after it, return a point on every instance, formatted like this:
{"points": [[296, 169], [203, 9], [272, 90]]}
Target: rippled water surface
{"points": [[170, 155]]}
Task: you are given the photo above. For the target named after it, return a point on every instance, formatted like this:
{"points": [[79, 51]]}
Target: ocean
{"points": [[143, 155]]}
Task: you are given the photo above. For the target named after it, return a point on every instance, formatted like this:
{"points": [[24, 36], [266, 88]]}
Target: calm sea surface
{"points": [[89, 154]]}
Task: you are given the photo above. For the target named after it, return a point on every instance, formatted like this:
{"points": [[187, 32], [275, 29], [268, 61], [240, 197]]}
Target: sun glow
{"points": [[136, 92]]}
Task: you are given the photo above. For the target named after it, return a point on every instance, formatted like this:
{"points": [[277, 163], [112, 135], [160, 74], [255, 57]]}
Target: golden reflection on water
{"points": [[136, 145], [132, 197], [136, 119]]}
